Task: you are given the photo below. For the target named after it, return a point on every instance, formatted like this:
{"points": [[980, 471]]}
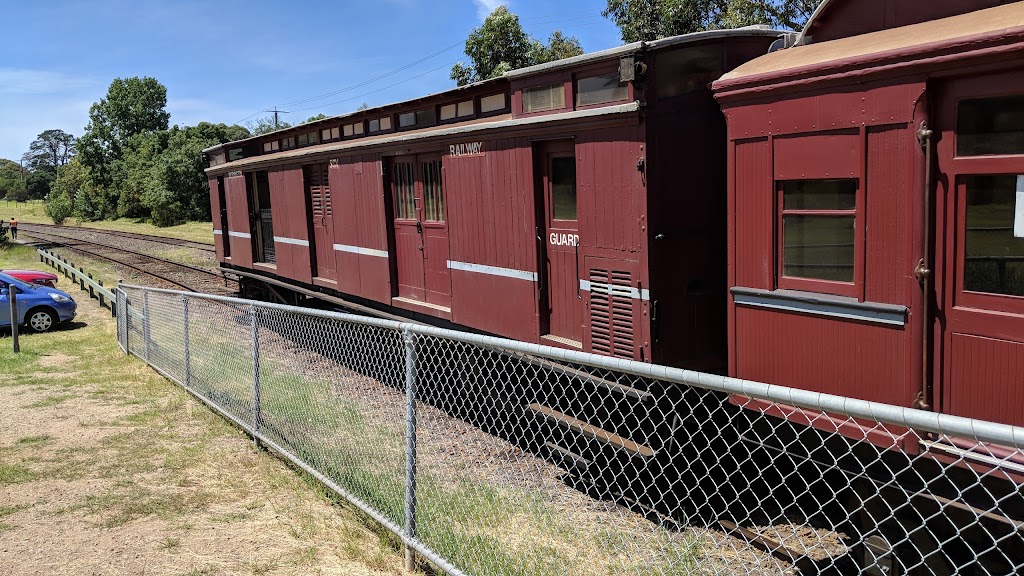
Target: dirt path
{"points": [[107, 468]]}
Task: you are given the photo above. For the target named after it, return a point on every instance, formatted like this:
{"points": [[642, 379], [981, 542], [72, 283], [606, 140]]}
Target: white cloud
{"points": [[485, 7], [28, 81]]}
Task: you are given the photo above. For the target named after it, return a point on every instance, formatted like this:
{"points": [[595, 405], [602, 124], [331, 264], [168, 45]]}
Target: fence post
{"points": [[410, 445], [188, 352], [145, 321], [255, 368], [92, 291]]}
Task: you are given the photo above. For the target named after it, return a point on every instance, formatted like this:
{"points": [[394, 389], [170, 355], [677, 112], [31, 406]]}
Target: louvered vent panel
{"points": [[611, 312], [319, 192], [325, 189]]}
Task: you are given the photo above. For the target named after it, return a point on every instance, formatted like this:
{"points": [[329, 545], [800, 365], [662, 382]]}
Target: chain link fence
{"points": [[489, 456]]}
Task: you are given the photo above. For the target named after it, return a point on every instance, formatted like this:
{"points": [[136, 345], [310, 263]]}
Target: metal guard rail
{"points": [[83, 279]]}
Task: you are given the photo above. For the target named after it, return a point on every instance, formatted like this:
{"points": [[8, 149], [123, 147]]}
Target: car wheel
{"points": [[40, 320]]}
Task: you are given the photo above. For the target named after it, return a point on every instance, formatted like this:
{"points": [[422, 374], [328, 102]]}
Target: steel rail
{"points": [[26, 228], [148, 272]]}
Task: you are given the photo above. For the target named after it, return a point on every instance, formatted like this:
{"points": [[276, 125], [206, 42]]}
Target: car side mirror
{"points": [[3, 292]]}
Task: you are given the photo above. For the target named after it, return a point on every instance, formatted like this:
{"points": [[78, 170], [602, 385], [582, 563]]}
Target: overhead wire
{"points": [[537, 20]]}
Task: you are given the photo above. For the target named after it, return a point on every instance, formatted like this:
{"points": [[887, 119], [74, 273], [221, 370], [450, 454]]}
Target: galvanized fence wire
{"points": [[495, 457]]}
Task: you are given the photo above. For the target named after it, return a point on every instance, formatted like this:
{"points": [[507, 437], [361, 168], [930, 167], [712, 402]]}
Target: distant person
{"points": [[14, 229]]}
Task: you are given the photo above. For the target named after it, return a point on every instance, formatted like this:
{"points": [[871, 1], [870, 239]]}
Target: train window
{"points": [[288, 142], [990, 126], [235, 154], [330, 134], [378, 124], [994, 236], [417, 118], [550, 97], [563, 188], [353, 129], [307, 138], [404, 183], [819, 229], [452, 111], [492, 103], [272, 146], [433, 191], [600, 89], [687, 70]]}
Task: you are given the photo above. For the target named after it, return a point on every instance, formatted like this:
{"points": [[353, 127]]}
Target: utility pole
{"points": [[276, 112]]}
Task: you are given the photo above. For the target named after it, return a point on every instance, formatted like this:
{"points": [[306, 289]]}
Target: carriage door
{"points": [[261, 218], [421, 230], [225, 239], [318, 191], [562, 299], [980, 249]]}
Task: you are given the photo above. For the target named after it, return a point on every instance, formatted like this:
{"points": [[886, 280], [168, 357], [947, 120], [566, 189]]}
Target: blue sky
{"points": [[223, 61]]}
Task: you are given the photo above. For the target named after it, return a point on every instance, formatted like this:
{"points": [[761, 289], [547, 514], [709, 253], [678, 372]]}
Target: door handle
{"points": [[419, 227]]}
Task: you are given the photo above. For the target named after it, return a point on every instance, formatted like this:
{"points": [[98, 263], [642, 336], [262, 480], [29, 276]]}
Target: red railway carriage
{"points": [[579, 203], [876, 209]]}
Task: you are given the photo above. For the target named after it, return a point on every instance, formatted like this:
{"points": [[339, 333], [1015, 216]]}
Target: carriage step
{"points": [[590, 431]]}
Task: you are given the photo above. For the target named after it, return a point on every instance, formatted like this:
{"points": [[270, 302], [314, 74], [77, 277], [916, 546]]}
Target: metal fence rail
{"points": [[79, 276], [490, 456]]}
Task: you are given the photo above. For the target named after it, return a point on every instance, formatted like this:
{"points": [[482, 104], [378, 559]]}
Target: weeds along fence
{"points": [[489, 456], [83, 279]]}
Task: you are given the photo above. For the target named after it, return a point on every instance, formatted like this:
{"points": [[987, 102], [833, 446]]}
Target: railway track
{"points": [[54, 228], [176, 274]]}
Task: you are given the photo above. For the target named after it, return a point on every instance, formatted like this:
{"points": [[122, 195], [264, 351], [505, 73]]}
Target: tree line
{"points": [[130, 163]]}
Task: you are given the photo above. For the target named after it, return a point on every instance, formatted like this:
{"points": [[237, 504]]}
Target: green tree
{"points": [[11, 176], [17, 192], [132, 106], [501, 44], [265, 124], [651, 19], [37, 185], [71, 178], [320, 116], [50, 150]]}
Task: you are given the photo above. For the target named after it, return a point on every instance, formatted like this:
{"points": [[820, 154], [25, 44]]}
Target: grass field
{"points": [[107, 467], [32, 212]]}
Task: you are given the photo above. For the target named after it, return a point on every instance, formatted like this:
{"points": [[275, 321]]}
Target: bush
{"points": [[59, 207]]}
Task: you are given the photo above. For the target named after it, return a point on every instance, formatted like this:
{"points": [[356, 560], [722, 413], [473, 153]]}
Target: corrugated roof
{"points": [[432, 132], [878, 44]]}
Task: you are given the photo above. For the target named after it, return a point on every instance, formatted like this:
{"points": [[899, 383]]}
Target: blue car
{"points": [[40, 308]]}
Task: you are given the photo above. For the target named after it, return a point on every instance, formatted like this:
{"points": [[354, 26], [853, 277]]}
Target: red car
{"points": [[34, 277]]}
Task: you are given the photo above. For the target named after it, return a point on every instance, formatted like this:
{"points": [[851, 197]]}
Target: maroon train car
{"points": [[876, 210], [579, 203]]}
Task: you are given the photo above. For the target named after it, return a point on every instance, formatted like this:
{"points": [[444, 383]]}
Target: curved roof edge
{"points": [[801, 36], [433, 132], [332, 119], [757, 31], [1002, 23]]}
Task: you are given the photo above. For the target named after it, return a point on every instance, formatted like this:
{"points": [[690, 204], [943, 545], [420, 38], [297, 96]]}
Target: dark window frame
{"points": [[498, 112], [854, 288], [567, 97]]}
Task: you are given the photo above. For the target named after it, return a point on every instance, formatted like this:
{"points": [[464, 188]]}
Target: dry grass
{"points": [[106, 467]]}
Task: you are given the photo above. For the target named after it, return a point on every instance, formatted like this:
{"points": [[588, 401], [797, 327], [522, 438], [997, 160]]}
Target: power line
{"points": [[320, 106], [549, 19], [372, 80]]}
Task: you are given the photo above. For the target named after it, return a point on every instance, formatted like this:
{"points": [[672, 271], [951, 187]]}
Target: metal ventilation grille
{"points": [[611, 312]]}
